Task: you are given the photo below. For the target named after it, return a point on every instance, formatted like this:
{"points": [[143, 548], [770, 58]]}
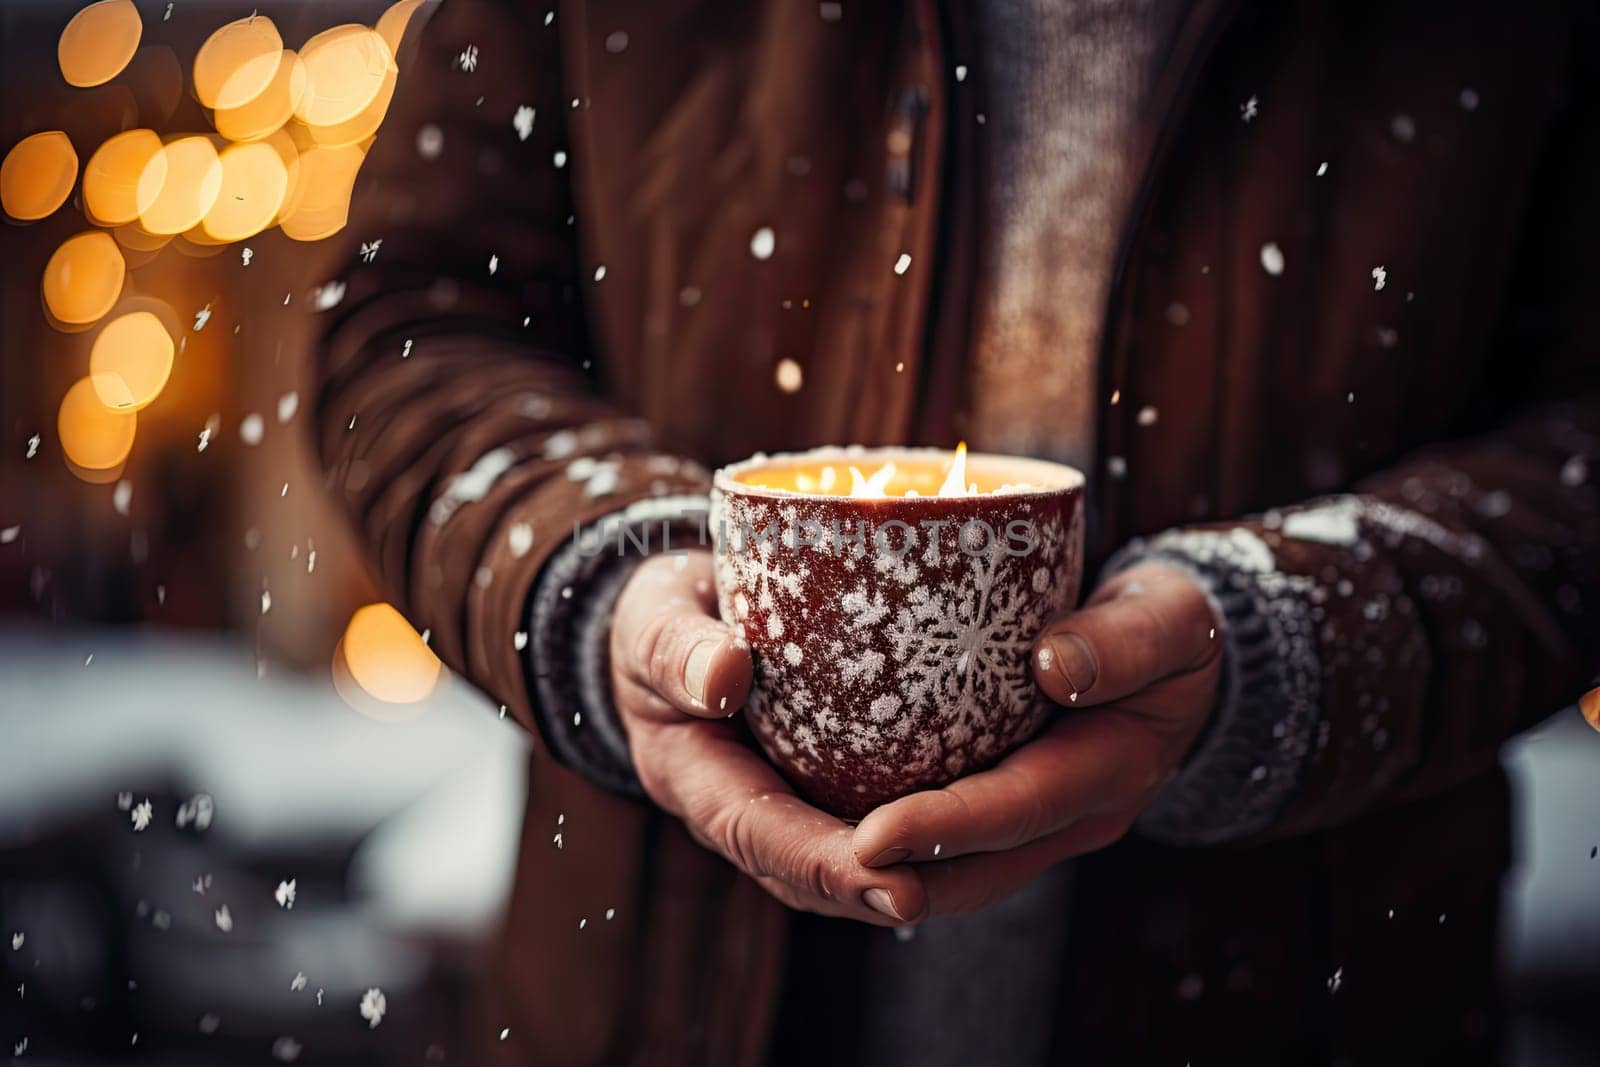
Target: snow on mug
{"points": [[890, 598]]}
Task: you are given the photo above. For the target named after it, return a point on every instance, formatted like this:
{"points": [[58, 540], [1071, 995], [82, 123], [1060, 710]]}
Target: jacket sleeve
{"points": [[1382, 644], [461, 416]]}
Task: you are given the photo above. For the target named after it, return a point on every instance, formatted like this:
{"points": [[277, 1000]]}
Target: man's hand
{"points": [[1136, 673], [677, 674]]}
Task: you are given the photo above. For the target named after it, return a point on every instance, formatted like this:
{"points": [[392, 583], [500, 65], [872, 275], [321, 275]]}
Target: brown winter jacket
{"points": [[1460, 141]]}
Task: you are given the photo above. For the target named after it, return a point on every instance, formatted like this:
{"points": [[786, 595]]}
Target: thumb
{"points": [[665, 639], [1151, 621]]}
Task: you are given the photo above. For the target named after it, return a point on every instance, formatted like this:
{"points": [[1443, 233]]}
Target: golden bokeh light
{"points": [[135, 238], [319, 205], [83, 278], [196, 245], [92, 435], [293, 129], [37, 175], [98, 43], [346, 68], [237, 62], [386, 658], [393, 22], [123, 177], [363, 125], [255, 182], [130, 362], [274, 106], [192, 183]]}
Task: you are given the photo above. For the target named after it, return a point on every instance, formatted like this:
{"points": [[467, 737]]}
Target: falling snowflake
{"points": [[494, 264], [196, 811], [520, 539], [1272, 259], [1380, 277], [284, 894], [369, 250], [522, 122], [902, 264], [1336, 980], [224, 919], [288, 404], [763, 242], [1574, 472], [298, 982], [122, 497], [789, 376], [16, 941], [430, 141], [286, 1050], [251, 429], [467, 61], [202, 317], [405, 353], [328, 296], [10, 534], [1250, 108], [140, 816], [33, 447], [373, 1005]]}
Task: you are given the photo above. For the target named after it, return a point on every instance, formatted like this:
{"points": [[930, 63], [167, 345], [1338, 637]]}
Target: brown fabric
{"points": [[718, 119]]}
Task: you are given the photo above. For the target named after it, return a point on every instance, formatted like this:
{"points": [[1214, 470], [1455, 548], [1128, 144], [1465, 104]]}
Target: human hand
{"points": [[677, 674], [1136, 672]]}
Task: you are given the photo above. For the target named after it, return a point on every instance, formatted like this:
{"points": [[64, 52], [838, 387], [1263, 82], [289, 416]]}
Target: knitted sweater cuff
{"points": [[569, 628], [1246, 766]]}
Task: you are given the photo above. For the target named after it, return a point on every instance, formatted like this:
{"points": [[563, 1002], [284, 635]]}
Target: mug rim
{"points": [[1068, 479]]}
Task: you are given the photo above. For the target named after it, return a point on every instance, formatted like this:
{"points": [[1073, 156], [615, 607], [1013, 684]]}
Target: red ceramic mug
{"points": [[891, 628]]}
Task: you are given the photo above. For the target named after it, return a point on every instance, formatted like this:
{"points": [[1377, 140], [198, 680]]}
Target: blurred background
{"points": [[244, 816], [207, 853]]}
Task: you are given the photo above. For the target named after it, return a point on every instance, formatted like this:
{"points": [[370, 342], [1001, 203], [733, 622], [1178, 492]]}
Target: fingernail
{"points": [[888, 856], [1072, 658], [881, 902], [699, 665]]}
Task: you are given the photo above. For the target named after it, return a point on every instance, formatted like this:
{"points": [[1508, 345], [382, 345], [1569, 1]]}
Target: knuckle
{"points": [[652, 651], [733, 834], [1033, 811]]}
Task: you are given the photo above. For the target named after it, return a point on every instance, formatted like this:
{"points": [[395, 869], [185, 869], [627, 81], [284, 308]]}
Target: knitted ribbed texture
{"points": [[569, 628], [1245, 767]]}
